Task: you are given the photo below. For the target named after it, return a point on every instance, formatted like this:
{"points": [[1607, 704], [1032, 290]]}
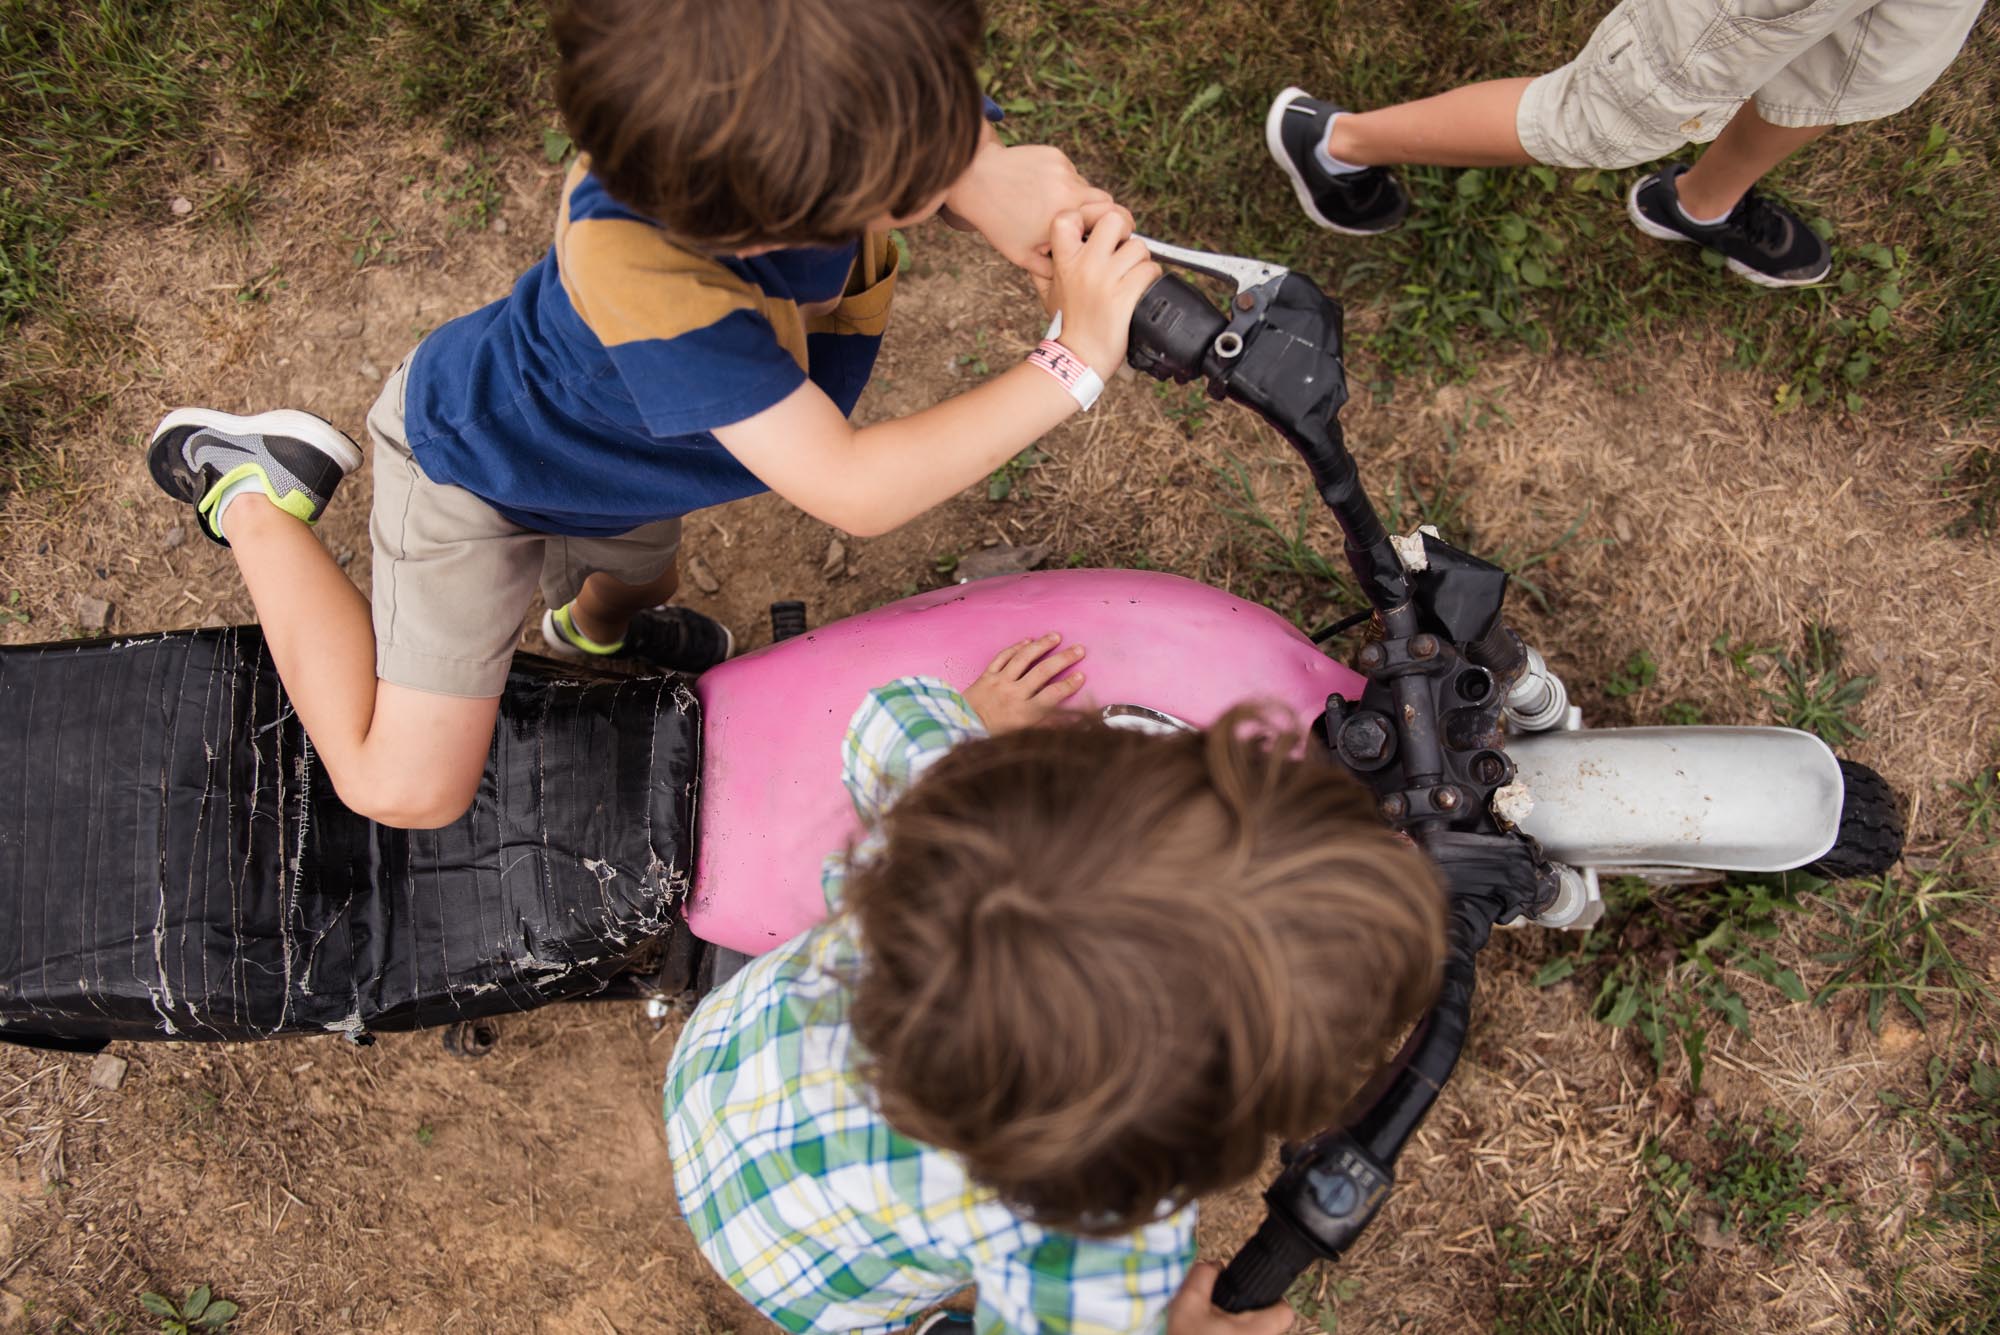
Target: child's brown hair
{"points": [[1105, 968], [757, 122]]}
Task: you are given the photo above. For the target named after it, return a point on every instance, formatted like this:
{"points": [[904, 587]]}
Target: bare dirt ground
{"points": [[331, 1188]]}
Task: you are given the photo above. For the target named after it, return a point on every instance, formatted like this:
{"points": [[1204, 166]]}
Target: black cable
{"points": [[1325, 633]]}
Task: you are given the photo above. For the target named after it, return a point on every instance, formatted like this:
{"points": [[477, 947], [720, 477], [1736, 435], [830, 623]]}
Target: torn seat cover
{"points": [[174, 863]]}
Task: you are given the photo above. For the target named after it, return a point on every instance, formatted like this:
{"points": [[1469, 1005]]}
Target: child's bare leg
{"points": [[1470, 126], [399, 756], [604, 608], [1748, 147]]}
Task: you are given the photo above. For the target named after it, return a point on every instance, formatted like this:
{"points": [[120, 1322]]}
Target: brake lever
{"points": [[1257, 284], [1249, 275]]}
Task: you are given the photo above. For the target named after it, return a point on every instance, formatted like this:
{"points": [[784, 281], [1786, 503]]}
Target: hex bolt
{"points": [[1423, 646], [1445, 797], [1394, 807], [1364, 738], [1245, 301], [1371, 657]]}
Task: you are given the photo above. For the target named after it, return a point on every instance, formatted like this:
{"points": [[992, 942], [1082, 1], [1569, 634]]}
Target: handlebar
{"points": [[1278, 352], [1333, 1184]]}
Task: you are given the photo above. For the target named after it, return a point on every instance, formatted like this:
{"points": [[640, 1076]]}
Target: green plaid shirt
{"points": [[808, 1202]]}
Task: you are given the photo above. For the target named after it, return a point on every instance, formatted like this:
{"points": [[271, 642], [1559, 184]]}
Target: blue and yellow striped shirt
{"points": [[582, 402]]}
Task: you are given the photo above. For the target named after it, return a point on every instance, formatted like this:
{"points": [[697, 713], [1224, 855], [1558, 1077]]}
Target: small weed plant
{"points": [[1186, 406], [1809, 690], [1010, 478], [198, 1313], [1756, 1176], [1638, 672], [1317, 1296]]}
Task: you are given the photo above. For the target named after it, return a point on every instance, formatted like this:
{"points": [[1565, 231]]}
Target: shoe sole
{"points": [[300, 426], [563, 649], [1737, 267], [1274, 140]]}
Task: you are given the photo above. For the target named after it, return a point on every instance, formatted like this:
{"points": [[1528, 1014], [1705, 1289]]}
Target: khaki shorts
{"points": [[454, 577], [1661, 73]]}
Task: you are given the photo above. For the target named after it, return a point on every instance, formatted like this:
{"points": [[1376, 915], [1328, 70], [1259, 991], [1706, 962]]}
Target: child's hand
{"points": [[1009, 195], [1193, 1312], [1098, 284], [1020, 687]]}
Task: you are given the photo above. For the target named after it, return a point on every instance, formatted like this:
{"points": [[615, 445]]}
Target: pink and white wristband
{"points": [[1070, 371]]}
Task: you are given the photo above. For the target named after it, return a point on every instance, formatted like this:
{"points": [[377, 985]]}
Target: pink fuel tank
{"points": [[771, 803]]}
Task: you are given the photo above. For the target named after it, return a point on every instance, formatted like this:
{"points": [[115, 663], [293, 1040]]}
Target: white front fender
{"points": [[1723, 799]]}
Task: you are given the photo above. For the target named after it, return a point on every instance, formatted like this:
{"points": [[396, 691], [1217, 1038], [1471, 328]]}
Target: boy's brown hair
{"points": [[1105, 968], [734, 123]]}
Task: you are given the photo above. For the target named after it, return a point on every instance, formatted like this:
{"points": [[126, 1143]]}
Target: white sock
{"points": [[1328, 163], [240, 487], [1699, 222]]}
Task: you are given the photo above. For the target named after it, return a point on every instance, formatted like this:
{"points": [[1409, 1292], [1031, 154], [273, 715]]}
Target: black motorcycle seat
{"points": [[174, 862]]}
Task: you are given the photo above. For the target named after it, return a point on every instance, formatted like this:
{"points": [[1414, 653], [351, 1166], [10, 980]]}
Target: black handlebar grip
{"points": [[1261, 1273], [1172, 329]]}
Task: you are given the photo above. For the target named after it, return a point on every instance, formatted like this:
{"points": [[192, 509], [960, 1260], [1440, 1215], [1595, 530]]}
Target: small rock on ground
{"points": [[1001, 560], [704, 578], [836, 559], [1708, 1232], [92, 613], [107, 1071], [174, 538]]}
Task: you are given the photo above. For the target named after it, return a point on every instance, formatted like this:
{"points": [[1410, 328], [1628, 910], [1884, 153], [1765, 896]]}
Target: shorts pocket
{"points": [[1748, 41]]}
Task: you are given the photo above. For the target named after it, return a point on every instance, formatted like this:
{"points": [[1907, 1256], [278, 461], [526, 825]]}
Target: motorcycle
{"points": [[174, 863]]}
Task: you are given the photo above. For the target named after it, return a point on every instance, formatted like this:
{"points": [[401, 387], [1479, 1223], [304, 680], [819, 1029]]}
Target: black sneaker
{"points": [[1763, 241], [1364, 203], [673, 639], [197, 452]]}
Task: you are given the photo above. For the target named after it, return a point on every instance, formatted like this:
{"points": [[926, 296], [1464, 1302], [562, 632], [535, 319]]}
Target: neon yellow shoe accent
{"points": [[297, 504], [576, 637]]}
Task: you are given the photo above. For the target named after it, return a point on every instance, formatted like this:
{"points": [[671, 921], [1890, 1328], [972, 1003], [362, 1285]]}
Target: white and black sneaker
{"points": [[1366, 201], [1760, 239], [297, 459]]}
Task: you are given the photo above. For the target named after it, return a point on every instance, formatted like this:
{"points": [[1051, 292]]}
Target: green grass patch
{"points": [[1164, 104], [1551, 1289], [1975, 483], [1809, 689], [1909, 937], [101, 102], [1749, 1170], [1275, 558], [1658, 962]]}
